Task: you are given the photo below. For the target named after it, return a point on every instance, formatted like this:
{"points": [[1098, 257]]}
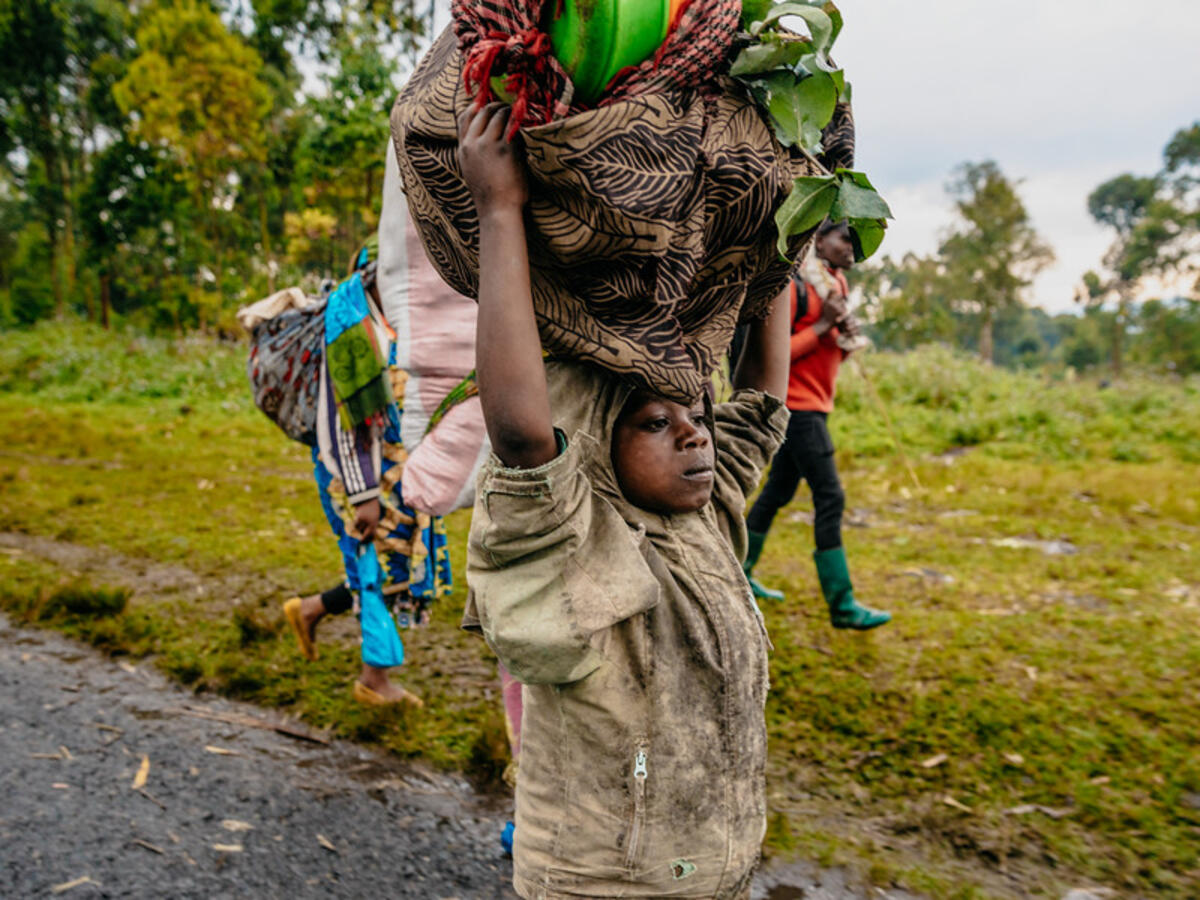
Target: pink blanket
{"points": [[435, 344]]}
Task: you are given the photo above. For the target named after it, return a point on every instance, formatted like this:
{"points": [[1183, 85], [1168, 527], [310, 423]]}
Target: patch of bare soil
{"points": [[138, 574]]}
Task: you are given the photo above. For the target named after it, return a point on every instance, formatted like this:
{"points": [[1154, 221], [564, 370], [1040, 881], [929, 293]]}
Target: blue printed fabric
{"points": [[381, 645], [346, 307], [414, 551]]}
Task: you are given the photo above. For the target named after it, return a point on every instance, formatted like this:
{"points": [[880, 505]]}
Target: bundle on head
{"points": [[650, 219]]}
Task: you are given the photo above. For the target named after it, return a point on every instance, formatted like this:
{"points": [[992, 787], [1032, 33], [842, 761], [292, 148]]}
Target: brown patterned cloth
{"points": [[650, 222]]}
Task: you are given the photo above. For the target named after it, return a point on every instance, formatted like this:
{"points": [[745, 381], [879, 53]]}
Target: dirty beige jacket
{"points": [[643, 655]]}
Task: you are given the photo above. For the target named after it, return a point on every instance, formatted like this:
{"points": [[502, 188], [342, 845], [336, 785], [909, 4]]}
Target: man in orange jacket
{"points": [[819, 344]]}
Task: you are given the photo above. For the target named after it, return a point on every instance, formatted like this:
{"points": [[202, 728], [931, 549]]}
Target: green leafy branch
{"points": [[844, 196], [791, 76]]}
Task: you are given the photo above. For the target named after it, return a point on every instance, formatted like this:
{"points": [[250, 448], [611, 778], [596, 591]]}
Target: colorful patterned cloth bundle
{"points": [[357, 362], [286, 355]]}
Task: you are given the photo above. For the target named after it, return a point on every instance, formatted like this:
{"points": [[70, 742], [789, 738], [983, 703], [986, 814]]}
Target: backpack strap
{"points": [[800, 297]]}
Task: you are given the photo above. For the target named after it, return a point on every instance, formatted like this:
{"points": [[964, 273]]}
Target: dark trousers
{"points": [[338, 600], [807, 453]]}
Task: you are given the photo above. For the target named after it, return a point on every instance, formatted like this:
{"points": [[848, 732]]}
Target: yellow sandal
{"points": [[291, 609], [365, 695]]}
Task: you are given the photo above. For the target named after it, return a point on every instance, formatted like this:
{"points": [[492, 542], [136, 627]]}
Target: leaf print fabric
{"points": [[650, 223]]}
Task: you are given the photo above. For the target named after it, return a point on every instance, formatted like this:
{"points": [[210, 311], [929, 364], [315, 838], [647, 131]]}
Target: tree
{"points": [[907, 301], [1182, 158], [993, 254], [1156, 222], [133, 205], [1168, 334], [1121, 202], [194, 93], [1084, 341], [54, 58], [33, 60], [341, 155]]}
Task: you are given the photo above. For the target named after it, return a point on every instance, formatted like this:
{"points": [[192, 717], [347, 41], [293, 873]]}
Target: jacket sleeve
{"points": [[804, 342], [551, 567], [750, 428]]}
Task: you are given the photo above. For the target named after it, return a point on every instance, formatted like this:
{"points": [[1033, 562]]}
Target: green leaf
{"points": [[866, 235], [814, 64], [839, 80], [754, 11], [770, 54], [815, 100], [859, 178], [805, 207], [857, 202], [835, 16], [798, 110], [776, 92], [820, 26]]}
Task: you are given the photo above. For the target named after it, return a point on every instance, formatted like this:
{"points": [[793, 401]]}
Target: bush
{"points": [[939, 398], [31, 295], [82, 600], [79, 362]]}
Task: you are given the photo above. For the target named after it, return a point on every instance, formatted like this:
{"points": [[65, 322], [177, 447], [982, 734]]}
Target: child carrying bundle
{"points": [[605, 571], [614, 241]]}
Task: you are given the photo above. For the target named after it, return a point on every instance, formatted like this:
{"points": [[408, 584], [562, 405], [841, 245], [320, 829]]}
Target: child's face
{"points": [[836, 248], [662, 454]]}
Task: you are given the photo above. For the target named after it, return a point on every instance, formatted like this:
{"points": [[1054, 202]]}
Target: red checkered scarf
{"points": [[503, 37]]}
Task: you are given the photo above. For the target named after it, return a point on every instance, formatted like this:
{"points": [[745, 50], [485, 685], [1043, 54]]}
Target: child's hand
{"points": [[491, 165], [832, 312]]}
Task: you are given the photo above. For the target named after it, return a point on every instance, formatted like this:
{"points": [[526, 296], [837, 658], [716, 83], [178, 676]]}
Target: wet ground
{"points": [[115, 783]]}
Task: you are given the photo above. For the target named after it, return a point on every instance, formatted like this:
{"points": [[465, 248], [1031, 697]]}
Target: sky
{"points": [[1062, 94]]}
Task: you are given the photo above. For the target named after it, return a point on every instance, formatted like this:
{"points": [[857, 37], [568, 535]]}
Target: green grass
{"points": [[1063, 691]]}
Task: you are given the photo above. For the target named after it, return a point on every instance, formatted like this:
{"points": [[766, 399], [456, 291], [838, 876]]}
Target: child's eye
{"points": [[657, 424]]}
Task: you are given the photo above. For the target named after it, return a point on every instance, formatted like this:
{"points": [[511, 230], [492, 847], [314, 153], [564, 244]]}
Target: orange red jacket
{"points": [[815, 358]]}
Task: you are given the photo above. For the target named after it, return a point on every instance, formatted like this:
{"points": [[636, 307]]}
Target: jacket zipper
{"points": [[639, 805]]}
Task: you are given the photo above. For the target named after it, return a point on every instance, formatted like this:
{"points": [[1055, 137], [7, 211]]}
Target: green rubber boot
{"points": [[753, 551], [844, 610]]}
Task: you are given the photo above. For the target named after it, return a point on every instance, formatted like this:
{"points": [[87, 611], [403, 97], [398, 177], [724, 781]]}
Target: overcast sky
{"points": [[1063, 94]]}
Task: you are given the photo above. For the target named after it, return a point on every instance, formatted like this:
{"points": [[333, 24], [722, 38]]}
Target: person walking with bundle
{"points": [[820, 340], [604, 571], [392, 554]]}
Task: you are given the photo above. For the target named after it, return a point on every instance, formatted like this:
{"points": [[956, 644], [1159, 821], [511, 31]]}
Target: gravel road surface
{"points": [[226, 810], [116, 783]]}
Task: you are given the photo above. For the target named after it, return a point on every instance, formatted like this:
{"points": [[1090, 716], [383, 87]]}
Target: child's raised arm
{"points": [[508, 350], [765, 360]]}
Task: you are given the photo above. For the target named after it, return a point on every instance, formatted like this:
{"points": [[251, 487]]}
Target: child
{"points": [[818, 346], [604, 565]]}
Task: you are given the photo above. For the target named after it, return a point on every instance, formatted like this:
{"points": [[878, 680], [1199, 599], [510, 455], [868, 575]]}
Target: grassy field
{"points": [[1026, 724]]}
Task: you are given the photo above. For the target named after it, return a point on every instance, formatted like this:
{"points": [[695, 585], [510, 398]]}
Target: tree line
{"points": [[168, 161], [164, 161], [972, 291]]}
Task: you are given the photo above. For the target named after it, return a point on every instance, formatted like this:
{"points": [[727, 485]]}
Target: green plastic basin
{"points": [[596, 39]]}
